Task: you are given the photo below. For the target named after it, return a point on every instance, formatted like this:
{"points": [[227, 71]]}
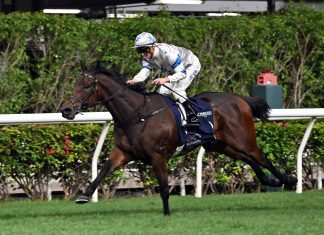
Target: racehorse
{"points": [[145, 128]]}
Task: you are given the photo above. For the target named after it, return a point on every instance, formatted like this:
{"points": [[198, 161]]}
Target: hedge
{"points": [[40, 54]]}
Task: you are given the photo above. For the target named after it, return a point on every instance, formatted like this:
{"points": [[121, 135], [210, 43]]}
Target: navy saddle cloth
{"points": [[192, 137]]}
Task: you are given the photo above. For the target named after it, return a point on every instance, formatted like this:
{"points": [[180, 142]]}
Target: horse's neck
{"points": [[125, 104]]}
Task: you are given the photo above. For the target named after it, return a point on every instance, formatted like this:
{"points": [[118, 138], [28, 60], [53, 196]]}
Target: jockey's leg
{"points": [[180, 88], [165, 91]]}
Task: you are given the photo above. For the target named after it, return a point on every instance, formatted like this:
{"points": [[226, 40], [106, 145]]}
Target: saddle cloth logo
{"points": [[204, 114]]}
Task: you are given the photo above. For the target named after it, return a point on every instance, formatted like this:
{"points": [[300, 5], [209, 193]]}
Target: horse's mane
{"points": [[98, 67]]}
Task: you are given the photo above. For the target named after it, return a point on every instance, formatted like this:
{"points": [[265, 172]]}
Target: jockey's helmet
{"points": [[144, 40]]}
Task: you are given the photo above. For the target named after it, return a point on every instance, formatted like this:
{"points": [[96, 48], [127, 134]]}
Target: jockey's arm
{"points": [[142, 75], [179, 71], [160, 81]]}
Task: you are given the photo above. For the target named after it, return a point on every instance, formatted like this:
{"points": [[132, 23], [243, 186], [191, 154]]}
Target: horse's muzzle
{"points": [[68, 113]]}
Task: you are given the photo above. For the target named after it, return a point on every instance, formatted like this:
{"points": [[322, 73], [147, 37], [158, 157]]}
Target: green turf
{"points": [[264, 213]]}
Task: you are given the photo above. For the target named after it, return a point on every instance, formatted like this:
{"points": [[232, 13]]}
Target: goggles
{"points": [[143, 50]]}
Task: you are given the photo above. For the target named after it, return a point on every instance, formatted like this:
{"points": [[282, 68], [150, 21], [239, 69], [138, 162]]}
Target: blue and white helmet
{"points": [[144, 40]]}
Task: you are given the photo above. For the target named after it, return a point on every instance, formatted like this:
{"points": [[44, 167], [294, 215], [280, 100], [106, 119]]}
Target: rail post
{"points": [[96, 157], [310, 125], [199, 172]]}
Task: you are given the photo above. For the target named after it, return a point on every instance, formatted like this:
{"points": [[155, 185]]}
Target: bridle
{"points": [[93, 88]]}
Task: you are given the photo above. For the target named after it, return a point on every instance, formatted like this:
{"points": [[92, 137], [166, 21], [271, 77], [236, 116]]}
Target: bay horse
{"points": [[145, 128]]}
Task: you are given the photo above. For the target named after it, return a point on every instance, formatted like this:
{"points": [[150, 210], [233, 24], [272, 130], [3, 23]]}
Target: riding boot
{"points": [[192, 116]]}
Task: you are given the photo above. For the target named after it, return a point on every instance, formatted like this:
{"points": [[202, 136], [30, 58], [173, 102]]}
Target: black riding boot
{"points": [[192, 116]]}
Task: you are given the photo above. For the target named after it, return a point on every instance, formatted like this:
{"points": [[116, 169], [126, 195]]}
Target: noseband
{"points": [[93, 88]]}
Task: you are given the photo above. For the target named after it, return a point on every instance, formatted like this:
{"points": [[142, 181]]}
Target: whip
{"points": [[191, 102]]}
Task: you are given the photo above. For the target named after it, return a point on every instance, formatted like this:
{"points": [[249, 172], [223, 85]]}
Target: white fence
{"points": [[106, 119]]}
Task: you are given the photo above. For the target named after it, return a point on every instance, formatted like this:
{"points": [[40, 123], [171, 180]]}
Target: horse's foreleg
{"points": [[160, 169], [116, 159]]}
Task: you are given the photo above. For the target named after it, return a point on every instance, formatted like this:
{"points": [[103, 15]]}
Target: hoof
{"points": [[82, 200], [291, 182], [274, 183]]}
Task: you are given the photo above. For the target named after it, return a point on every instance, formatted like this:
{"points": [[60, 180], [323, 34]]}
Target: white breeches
{"points": [[181, 85]]}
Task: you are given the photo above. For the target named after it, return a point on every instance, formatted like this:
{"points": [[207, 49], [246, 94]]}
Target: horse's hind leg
{"points": [[116, 159], [244, 144], [255, 158], [289, 181], [160, 169], [264, 179]]}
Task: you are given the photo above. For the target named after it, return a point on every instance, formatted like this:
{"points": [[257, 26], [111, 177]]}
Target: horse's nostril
{"points": [[66, 111]]}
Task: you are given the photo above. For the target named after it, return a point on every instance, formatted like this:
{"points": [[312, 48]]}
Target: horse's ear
{"points": [[83, 67]]}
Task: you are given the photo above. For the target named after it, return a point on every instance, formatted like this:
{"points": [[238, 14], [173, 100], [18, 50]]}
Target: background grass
{"points": [[263, 213]]}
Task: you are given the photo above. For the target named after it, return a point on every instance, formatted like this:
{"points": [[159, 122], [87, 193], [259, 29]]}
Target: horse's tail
{"points": [[259, 107]]}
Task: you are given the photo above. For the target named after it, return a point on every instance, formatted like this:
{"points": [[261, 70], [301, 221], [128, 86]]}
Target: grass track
{"points": [[265, 213]]}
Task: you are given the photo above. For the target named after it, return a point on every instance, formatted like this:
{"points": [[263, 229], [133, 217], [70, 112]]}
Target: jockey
{"points": [[180, 63]]}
